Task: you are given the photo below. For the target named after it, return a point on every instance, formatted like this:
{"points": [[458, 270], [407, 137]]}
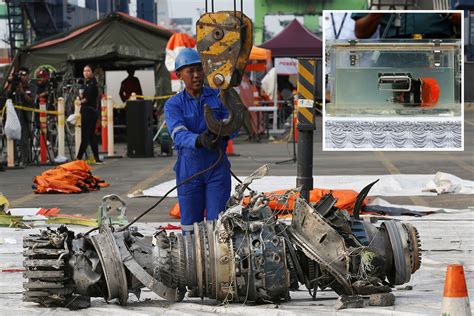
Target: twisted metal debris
{"points": [[247, 255]]}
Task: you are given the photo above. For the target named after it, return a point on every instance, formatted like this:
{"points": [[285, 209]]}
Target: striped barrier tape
{"points": [[26, 108], [149, 97], [143, 97]]}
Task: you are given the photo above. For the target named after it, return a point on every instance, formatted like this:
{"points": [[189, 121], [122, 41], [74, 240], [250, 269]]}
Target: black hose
{"points": [[219, 158], [235, 177]]}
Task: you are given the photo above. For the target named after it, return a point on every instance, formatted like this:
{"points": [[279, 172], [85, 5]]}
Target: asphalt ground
{"points": [[126, 175]]}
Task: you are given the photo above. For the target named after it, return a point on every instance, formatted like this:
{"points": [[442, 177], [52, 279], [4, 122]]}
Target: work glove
{"points": [[207, 140]]}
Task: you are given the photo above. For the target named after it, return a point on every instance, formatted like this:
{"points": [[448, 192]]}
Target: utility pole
{"points": [[306, 99]]}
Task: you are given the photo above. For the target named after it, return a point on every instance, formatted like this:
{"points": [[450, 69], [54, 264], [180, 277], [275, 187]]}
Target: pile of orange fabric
{"points": [[71, 177], [345, 200]]}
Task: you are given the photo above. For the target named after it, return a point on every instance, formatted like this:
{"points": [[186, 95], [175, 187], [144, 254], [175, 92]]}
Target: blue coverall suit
{"points": [[184, 117]]}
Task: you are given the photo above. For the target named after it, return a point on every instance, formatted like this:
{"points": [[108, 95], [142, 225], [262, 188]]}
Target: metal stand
{"points": [[293, 159], [159, 130]]}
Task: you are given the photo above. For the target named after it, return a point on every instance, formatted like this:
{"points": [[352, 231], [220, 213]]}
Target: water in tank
{"points": [[396, 77]]}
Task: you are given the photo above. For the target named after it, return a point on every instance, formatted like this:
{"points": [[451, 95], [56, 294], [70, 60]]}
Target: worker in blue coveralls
{"points": [[207, 194]]}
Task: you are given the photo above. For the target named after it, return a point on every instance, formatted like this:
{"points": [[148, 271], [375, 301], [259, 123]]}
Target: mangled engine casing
{"points": [[246, 255], [238, 258], [352, 256]]}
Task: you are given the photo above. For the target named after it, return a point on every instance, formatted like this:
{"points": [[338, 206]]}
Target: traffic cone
{"points": [[174, 211], [455, 298], [230, 149]]}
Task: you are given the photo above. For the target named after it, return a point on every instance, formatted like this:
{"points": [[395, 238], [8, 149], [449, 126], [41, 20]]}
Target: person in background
{"points": [[407, 25], [204, 196], [89, 95], [130, 85], [42, 78], [23, 93]]}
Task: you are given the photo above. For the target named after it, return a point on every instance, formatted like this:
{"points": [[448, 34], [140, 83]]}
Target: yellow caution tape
{"points": [[120, 106], [143, 97], [149, 97], [25, 108]]}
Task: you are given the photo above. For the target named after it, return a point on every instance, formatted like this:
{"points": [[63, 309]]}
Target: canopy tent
{"points": [[294, 41], [176, 43], [258, 59], [116, 41]]}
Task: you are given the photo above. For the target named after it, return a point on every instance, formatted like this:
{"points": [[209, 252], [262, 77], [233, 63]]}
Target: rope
{"points": [[142, 97], [116, 106], [149, 97], [25, 108]]}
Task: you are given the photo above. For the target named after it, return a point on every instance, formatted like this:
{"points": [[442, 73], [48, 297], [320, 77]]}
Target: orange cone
{"points": [[230, 149], [455, 298], [174, 211]]}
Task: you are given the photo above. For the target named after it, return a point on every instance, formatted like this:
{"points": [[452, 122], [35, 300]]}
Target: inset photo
{"points": [[393, 80]]}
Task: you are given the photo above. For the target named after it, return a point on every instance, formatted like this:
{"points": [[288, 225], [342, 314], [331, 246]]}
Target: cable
{"points": [[337, 33], [235, 177], [219, 158]]}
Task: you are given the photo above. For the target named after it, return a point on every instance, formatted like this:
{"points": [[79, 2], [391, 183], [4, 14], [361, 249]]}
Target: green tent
{"points": [[115, 42]]}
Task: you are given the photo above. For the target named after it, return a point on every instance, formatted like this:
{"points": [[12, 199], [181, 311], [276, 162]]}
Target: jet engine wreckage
{"points": [[247, 255]]}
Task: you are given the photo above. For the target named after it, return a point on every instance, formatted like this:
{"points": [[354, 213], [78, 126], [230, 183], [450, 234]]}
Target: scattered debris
{"points": [[12, 270], [4, 204], [346, 301], [393, 211], [444, 183], [382, 299], [80, 302], [72, 220], [10, 221], [31, 217], [170, 227], [363, 287], [405, 288]]}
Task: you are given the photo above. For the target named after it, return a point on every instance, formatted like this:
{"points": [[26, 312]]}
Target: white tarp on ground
{"points": [[441, 244], [389, 185]]}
